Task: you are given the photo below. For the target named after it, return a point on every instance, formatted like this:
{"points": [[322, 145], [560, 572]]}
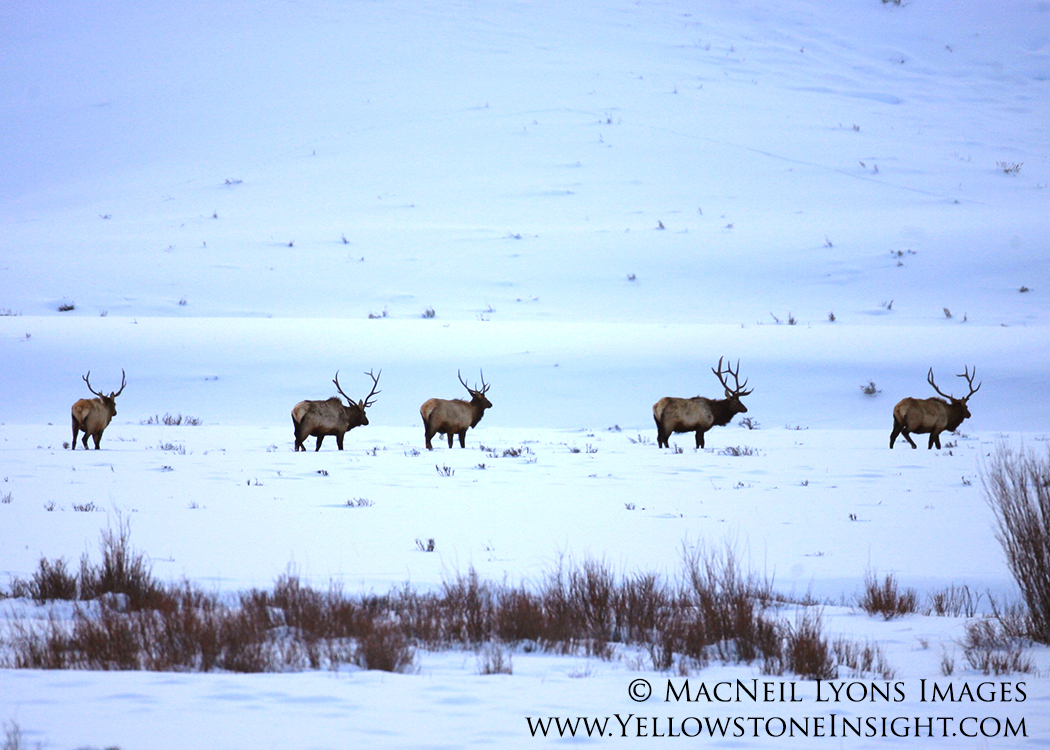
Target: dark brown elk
{"points": [[331, 417], [932, 415], [699, 414], [456, 416], [92, 415]]}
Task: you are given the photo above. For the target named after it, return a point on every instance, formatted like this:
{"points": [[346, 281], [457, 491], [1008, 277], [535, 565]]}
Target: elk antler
{"points": [[340, 389], [929, 379], [969, 381], [738, 391], [375, 382], [87, 379], [123, 382], [484, 387]]}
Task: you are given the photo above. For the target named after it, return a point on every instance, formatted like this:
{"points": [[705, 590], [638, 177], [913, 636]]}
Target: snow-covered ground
{"points": [[597, 201]]}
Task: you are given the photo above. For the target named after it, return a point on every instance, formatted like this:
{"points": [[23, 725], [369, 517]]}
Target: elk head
{"points": [[958, 403], [737, 392], [477, 395], [110, 401], [360, 406]]}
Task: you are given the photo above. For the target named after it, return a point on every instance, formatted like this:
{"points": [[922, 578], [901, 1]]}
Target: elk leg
{"points": [[319, 439], [76, 430], [97, 438], [84, 440], [339, 440], [428, 435], [895, 433], [935, 437], [451, 435], [907, 437], [463, 439], [699, 438]]}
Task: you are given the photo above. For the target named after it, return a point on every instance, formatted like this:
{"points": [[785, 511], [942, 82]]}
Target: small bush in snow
{"points": [[385, 648], [171, 420], [952, 602], [885, 599], [870, 389], [807, 652], [494, 659], [738, 450], [863, 660], [990, 651], [1009, 167]]}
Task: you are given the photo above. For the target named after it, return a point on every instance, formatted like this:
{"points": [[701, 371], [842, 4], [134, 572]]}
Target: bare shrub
{"points": [[947, 664], [494, 659], [171, 420], [723, 610], [885, 599], [123, 570], [13, 739], [713, 609], [519, 616], [738, 450], [51, 581], [468, 604], [863, 659], [990, 650], [385, 648], [952, 601], [1017, 487], [806, 652]]}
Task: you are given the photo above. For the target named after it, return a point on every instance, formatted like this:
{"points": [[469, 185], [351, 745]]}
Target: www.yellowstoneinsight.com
{"points": [[839, 712]]}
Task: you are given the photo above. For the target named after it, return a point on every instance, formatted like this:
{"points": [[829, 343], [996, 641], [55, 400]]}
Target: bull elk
{"points": [[932, 415], [699, 414], [454, 417], [331, 417], [92, 415]]}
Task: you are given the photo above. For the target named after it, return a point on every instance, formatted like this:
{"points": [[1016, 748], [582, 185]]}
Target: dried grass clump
{"points": [[886, 599], [714, 609]]}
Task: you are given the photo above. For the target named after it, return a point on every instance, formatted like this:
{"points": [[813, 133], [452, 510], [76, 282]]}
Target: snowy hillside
{"points": [[589, 202]]}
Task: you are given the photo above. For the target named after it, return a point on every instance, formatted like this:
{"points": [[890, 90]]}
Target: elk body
{"points": [[932, 415], [331, 417], [699, 414], [92, 415], [456, 416]]}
